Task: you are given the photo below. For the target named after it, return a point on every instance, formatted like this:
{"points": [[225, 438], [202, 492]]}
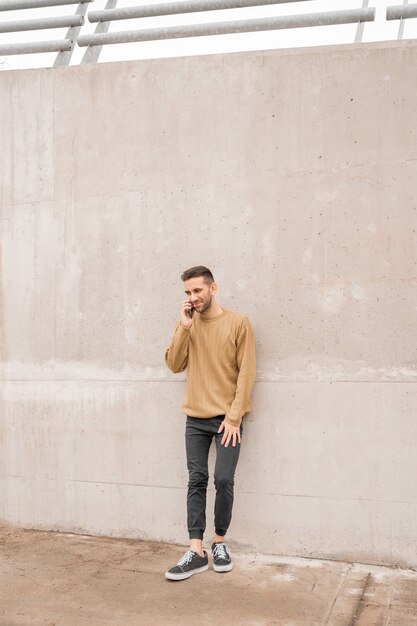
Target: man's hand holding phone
{"points": [[187, 312]]}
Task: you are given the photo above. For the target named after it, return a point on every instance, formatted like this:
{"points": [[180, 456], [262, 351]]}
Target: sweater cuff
{"points": [[231, 422]]}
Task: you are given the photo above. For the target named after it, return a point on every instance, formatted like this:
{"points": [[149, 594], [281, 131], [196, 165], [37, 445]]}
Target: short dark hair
{"points": [[196, 272]]}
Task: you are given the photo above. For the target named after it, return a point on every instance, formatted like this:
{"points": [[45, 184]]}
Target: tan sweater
{"points": [[219, 356]]}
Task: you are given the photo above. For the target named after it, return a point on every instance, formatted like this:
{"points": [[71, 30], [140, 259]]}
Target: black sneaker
{"points": [[222, 561], [191, 563]]}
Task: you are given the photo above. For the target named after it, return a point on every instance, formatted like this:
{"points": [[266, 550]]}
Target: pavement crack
{"points": [[339, 588], [390, 603], [360, 605]]}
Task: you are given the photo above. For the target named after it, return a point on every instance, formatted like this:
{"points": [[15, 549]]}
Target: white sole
{"points": [[185, 575], [223, 568]]}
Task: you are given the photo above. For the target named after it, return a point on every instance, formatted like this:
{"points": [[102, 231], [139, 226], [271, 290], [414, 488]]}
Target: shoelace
{"points": [[220, 551], [186, 558]]}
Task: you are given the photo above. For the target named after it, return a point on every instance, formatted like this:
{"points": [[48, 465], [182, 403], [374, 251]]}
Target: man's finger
{"points": [[221, 427]]}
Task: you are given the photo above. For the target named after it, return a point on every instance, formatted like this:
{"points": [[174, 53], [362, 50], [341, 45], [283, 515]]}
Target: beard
{"points": [[205, 305]]}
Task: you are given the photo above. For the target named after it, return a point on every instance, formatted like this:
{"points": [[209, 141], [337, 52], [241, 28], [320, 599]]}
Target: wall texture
{"points": [[293, 174]]}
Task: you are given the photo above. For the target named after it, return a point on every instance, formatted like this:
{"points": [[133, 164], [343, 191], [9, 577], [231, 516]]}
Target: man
{"points": [[216, 346]]}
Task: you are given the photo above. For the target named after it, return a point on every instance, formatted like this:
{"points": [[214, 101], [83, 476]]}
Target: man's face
{"points": [[199, 293]]}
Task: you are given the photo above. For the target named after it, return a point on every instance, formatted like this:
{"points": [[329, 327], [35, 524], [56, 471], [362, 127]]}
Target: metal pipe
{"points": [[41, 24], [402, 12], [361, 25], [225, 28], [401, 25], [64, 56], [91, 55], [14, 5], [36, 46], [176, 8]]}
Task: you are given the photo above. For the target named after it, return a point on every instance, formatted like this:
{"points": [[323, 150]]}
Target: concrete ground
{"points": [[57, 579]]}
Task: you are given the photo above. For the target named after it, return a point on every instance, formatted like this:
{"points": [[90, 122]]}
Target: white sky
{"points": [[324, 35]]}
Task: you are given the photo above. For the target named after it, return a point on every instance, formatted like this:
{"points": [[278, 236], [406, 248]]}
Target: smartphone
{"points": [[191, 311]]}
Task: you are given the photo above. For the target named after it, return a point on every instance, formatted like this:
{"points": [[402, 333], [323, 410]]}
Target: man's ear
{"points": [[213, 288]]}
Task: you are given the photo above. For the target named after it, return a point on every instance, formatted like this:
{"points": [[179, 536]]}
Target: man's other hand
{"points": [[231, 434]]}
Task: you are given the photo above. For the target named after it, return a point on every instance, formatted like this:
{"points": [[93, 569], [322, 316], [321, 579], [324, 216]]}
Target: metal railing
{"points": [[41, 24], [17, 5], [103, 18], [177, 8], [236, 26], [402, 12], [72, 22]]}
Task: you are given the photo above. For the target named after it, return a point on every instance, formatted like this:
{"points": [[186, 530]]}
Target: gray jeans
{"points": [[199, 433]]}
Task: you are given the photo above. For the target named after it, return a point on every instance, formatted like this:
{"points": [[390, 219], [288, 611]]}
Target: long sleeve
{"points": [[176, 356], [246, 363]]}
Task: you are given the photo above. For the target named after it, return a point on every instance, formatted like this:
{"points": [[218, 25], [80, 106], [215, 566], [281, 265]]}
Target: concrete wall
{"points": [[293, 174]]}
